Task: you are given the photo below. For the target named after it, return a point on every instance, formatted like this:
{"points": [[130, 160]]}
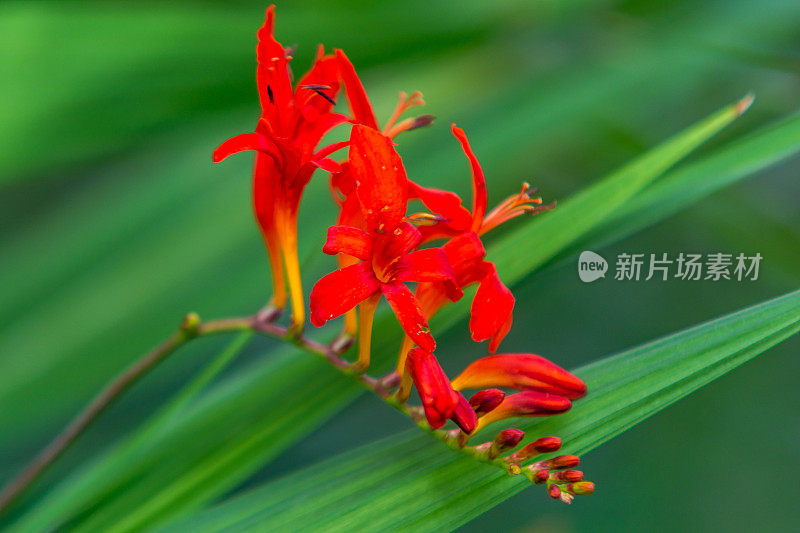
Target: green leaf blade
{"points": [[447, 489]]}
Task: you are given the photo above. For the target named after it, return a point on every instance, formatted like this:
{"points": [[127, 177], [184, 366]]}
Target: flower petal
{"points": [[465, 253], [409, 313], [242, 142], [439, 400], [479, 195], [356, 95], [444, 203], [348, 240], [272, 72], [381, 183], [464, 415], [491, 307], [527, 403], [524, 371], [430, 264], [323, 73], [340, 291]]}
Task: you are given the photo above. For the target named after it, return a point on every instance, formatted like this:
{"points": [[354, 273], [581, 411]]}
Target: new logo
{"points": [[591, 266]]}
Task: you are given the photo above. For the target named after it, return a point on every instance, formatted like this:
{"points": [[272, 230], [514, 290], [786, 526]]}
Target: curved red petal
{"points": [[409, 314], [464, 415], [479, 195], [323, 73], [523, 371], [439, 400], [430, 264], [272, 72], [497, 338], [491, 307], [309, 134], [340, 291], [381, 184], [242, 142], [527, 403], [356, 95], [348, 240], [465, 253], [328, 165], [444, 203]]}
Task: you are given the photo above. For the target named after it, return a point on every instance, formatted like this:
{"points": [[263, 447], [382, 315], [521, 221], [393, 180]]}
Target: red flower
{"points": [[292, 123], [439, 401], [492, 306], [342, 183], [383, 248], [522, 371]]}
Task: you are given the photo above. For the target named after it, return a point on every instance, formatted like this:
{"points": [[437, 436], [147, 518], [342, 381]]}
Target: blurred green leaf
{"points": [[692, 182], [414, 483]]}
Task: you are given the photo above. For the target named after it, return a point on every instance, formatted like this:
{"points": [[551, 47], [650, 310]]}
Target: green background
{"points": [[114, 222]]}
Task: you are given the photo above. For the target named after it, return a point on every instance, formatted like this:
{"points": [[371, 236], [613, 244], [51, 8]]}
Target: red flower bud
{"points": [[542, 445], [571, 476], [546, 444], [486, 400], [439, 400], [562, 462], [540, 476], [527, 403], [554, 491], [520, 371], [582, 488], [508, 438], [505, 440]]}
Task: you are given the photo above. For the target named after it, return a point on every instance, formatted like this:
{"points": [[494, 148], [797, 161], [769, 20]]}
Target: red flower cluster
{"points": [[382, 249]]}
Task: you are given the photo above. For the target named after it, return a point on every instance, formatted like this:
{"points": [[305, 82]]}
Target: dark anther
{"points": [[318, 89], [271, 96], [422, 121]]}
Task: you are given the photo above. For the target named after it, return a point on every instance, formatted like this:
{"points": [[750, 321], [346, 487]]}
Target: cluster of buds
{"points": [[558, 474], [382, 248]]}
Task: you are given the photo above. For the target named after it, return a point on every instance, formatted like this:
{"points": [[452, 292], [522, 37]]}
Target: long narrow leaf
{"points": [[411, 487]]}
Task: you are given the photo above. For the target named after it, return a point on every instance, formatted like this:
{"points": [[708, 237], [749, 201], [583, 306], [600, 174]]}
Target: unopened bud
{"points": [[514, 469], [505, 440], [540, 476], [563, 462], [571, 476], [582, 488], [546, 444], [554, 491], [542, 445], [190, 323], [486, 400]]}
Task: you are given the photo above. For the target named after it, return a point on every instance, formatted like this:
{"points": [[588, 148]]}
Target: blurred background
{"points": [[114, 222]]}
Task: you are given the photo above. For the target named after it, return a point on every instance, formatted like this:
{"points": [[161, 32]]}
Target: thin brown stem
{"points": [[192, 328]]}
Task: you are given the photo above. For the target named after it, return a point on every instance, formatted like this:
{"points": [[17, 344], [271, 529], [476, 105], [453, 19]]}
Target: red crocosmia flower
{"points": [[439, 401], [293, 122], [522, 371], [383, 249], [526, 403], [491, 313], [342, 184]]}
